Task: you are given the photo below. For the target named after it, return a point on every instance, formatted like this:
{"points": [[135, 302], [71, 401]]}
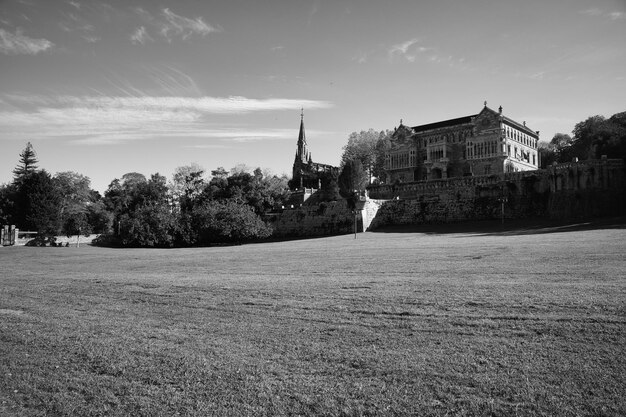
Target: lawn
{"points": [[472, 322]]}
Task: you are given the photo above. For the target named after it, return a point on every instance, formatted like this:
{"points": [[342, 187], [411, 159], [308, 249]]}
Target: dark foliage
{"points": [[27, 164]]}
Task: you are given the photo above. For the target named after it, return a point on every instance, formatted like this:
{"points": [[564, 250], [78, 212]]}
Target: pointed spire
{"points": [[301, 153]]}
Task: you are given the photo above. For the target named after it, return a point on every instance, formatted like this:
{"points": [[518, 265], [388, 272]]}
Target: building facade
{"points": [[481, 144], [306, 173]]}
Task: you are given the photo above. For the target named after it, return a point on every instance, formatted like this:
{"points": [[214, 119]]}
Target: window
{"points": [[487, 169]]}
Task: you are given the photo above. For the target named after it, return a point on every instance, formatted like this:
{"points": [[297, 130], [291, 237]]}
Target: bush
{"points": [[227, 222]]}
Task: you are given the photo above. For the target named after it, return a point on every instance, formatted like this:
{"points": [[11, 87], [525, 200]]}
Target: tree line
{"points": [[193, 208], [136, 211], [592, 138]]}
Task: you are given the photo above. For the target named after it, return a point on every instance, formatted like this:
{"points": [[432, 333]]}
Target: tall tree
{"points": [[27, 164], [368, 147], [38, 204], [352, 178]]}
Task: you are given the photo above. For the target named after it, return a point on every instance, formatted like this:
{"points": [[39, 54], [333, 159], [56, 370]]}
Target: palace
{"points": [[481, 144], [306, 173]]}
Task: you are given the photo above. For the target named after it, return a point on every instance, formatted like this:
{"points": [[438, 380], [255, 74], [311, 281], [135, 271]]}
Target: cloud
{"points": [[140, 36], [176, 25], [20, 44], [592, 12], [410, 51], [98, 120], [595, 12], [91, 39], [170, 25], [361, 57], [74, 4], [402, 48], [277, 48]]}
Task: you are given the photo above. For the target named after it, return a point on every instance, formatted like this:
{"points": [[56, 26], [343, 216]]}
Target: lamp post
{"points": [[502, 201]]}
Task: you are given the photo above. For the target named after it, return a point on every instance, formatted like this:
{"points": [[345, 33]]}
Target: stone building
{"points": [[481, 144], [307, 174]]}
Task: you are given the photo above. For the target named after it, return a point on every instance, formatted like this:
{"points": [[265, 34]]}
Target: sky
{"points": [[104, 88]]}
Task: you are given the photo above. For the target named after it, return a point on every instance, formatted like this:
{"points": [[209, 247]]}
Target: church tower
{"points": [[306, 173], [302, 154]]}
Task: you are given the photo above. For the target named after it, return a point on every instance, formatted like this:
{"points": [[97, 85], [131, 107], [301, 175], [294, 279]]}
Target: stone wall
{"points": [[321, 219], [566, 191]]}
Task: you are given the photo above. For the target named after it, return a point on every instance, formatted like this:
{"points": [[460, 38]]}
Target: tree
{"points": [[227, 222], [27, 164], [547, 155], [368, 147], [7, 194], [75, 193], [38, 204], [99, 218], [353, 177], [187, 183], [560, 148]]}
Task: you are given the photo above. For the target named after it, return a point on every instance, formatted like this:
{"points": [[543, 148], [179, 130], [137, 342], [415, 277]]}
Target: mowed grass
{"points": [[472, 323]]}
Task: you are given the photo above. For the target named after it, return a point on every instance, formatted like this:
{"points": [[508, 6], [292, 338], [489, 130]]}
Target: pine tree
{"points": [[27, 164]]}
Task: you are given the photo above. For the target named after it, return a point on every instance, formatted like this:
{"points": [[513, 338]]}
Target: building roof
{"points": [[445, 123], [520, 126], [468, 119]]}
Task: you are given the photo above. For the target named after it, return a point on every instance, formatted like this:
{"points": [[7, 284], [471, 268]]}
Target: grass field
{"points": [[522, 322]]}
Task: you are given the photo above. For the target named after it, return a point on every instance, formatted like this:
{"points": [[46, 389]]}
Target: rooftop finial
{"points": [[400, 121], [301, 113], [485, 103], [500, 109]]}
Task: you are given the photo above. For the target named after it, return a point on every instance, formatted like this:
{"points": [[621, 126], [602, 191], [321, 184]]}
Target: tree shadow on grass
{"points": [[509, 228]]}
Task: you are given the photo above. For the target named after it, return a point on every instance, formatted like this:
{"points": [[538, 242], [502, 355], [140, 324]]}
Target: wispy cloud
{"points": [[91, 39], [617, 15], [172, 81], [361, 57], [169, 25], [140, 36], [411, 50], [102, 120], [595, 12], [414, 50], [20, 44], [402, 49], [176, 25]]}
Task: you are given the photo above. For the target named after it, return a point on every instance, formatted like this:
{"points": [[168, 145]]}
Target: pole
{"points": [[354, 223]]}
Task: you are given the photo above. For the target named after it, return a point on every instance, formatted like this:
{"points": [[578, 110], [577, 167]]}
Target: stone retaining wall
{"points": [[322, 219]]}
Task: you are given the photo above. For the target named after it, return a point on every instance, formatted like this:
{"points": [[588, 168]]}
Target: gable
{"points": [[487, 119]]}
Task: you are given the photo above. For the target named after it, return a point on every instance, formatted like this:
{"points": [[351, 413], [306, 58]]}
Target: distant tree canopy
{"points": [[190, 210], [593, 137]]}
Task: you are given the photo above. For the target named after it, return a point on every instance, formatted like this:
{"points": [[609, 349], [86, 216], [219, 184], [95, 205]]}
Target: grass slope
{"points": [[389, 324]]}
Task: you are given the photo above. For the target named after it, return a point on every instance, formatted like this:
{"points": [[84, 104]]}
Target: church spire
{"points": [[302, 154]]}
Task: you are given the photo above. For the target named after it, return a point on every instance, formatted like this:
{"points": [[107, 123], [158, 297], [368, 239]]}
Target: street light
{"points": [[503, 200]]}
